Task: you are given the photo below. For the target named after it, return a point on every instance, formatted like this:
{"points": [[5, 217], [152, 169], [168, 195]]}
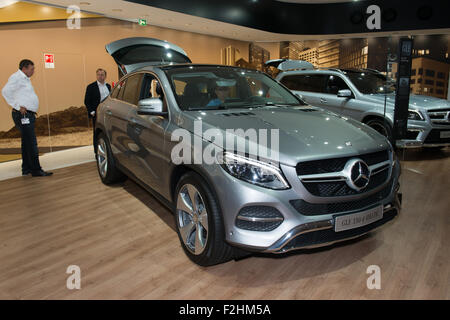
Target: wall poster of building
{"points": [[258, 56], [430, 64]]}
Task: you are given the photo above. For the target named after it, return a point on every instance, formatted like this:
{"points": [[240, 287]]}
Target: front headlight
{"points": [[415, 115], [254, 171]]}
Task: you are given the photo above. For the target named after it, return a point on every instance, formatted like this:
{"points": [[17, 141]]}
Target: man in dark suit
{"points": [[96, 92]]}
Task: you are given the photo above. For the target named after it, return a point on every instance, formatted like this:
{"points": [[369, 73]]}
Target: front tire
{"points": [[382, 127], [199, 222], [106, 165]]}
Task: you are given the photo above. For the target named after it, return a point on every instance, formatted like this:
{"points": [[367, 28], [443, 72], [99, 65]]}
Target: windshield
{"points": [[217, 87], [370, 82]]}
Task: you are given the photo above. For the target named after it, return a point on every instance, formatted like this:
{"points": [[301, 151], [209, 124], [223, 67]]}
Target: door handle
{"points": [[108, 112], [133, 120], [322, 100]]}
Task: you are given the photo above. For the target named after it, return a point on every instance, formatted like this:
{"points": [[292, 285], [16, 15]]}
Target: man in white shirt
{"points": [[19, 94]]}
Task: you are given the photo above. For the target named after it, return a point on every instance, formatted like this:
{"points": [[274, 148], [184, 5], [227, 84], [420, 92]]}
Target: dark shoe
{"points": [[25, 173], [42, 173]]}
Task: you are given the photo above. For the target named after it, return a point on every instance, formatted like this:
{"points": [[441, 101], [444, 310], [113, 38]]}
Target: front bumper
{"points": [[424, 134], [321, 233], [236, 195]]}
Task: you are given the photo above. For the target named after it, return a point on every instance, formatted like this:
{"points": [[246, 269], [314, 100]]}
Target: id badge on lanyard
{"points": [[25, 120]]}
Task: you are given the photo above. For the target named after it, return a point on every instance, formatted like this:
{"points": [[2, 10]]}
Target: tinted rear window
{"points": [[147, 53], [310, 83]]}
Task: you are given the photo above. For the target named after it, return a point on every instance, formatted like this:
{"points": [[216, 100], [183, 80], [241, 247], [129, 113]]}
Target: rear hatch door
{"points": [[133, 53]]}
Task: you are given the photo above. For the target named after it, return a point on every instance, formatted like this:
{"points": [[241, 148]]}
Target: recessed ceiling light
{"points": [[84, 3], [117, 10]]}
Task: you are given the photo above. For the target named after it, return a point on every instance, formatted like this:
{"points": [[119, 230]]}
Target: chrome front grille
{"points": [[338, 164], [329, 178], [440, 116]]}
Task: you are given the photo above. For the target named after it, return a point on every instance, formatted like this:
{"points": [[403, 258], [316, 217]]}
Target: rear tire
{"points": [[106, 165], [199, 223]]}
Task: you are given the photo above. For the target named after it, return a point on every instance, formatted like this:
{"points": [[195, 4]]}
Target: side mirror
{"points": [[151, 106], [346, 93]]}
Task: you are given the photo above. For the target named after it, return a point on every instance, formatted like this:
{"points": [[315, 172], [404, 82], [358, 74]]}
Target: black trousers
{"points": [[93, 119], [30, 152]]}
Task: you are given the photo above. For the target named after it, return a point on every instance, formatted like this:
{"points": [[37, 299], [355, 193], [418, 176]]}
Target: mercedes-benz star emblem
{"points": [[358, 174]]}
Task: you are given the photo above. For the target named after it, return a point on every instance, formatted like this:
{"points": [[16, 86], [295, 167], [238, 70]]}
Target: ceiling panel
{"points": [[180, 21]]}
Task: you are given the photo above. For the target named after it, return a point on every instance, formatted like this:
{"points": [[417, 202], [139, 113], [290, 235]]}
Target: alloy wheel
{"points": [[102, 158], [192, 219]]}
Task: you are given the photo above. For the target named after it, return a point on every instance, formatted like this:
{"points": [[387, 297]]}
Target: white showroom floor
{"points": [[50, 161]]}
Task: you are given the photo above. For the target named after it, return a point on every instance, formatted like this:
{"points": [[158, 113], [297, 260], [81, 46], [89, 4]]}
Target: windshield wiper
{"points": [[288, 104], [220, 107], [268, 104]]}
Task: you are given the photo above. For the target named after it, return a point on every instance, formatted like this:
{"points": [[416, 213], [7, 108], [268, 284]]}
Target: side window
{"points": [[334, 84], [132, 89], [294, 82], [311, 83], [117, 92], [151, 88]]}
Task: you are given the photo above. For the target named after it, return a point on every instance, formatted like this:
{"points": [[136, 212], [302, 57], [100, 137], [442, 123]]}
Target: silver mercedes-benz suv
{"points": [[368, 96], [326, 178]]}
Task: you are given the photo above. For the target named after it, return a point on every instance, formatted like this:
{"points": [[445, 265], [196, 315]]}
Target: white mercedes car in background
{"points": [[369, 97]]}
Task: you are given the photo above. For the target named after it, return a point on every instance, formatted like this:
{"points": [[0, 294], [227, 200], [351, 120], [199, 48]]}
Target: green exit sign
{"points": [[142, 22]]}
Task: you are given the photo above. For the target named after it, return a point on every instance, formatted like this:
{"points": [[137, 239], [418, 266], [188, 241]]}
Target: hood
{"points": [[415, 101], [428, 103], [305, 133]]}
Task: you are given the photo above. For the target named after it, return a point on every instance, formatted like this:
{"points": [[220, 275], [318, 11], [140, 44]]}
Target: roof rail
{"points": [[372, 70], [330, 69], [335, 69]]}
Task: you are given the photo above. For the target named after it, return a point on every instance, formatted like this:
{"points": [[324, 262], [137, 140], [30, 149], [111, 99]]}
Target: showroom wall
{"points": [[63, 121], [78, 53]]}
